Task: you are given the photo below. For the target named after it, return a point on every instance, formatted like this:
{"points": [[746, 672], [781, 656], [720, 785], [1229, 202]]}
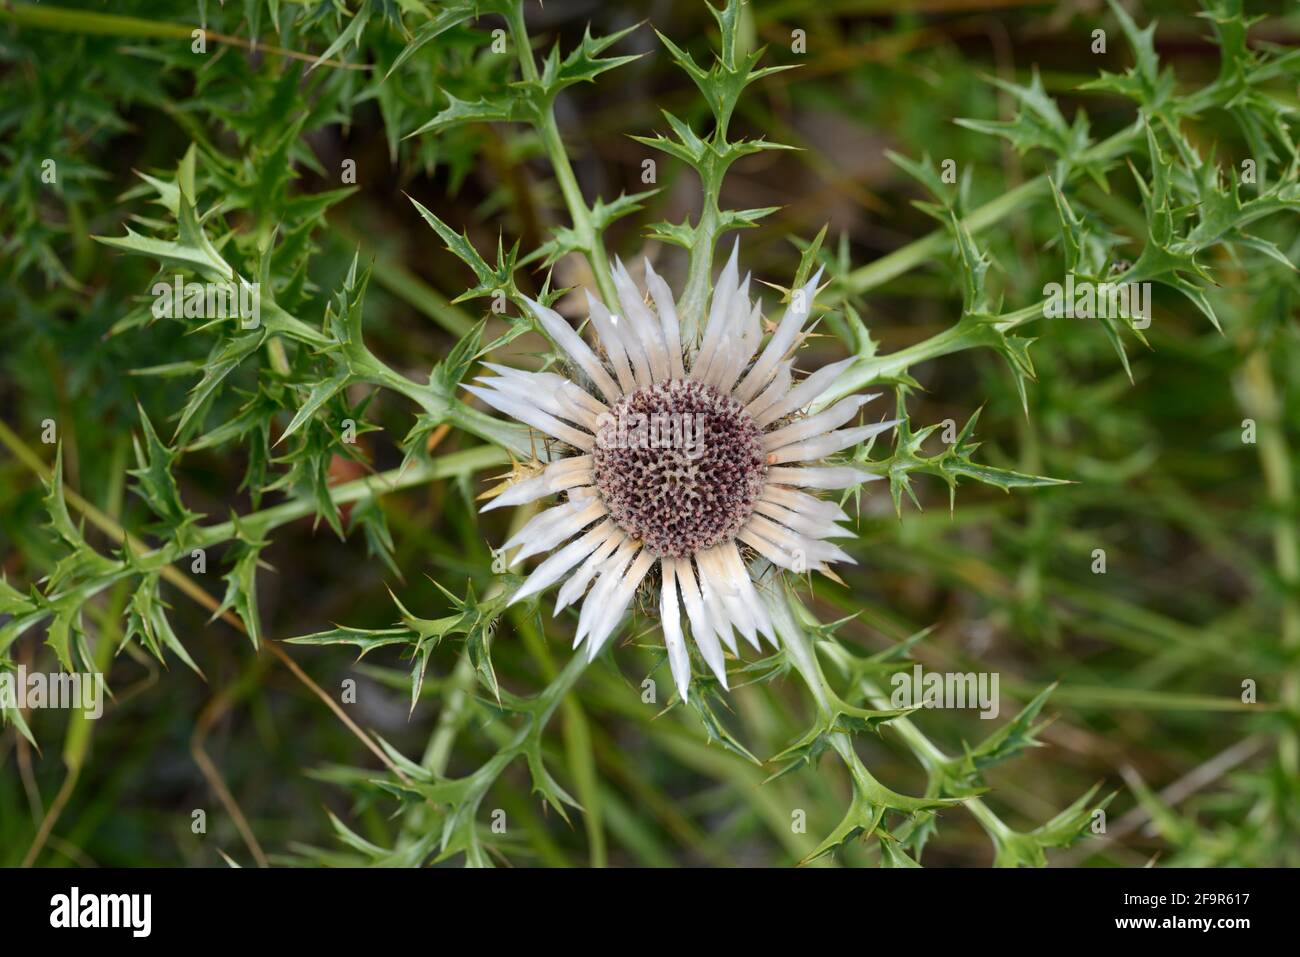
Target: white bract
{"points": [[687, 513]]}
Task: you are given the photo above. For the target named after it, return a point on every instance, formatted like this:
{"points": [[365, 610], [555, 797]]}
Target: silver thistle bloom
{"points": [[679, 469]]}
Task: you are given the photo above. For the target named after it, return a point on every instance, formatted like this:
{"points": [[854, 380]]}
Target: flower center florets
{"points": [[679, 465]]}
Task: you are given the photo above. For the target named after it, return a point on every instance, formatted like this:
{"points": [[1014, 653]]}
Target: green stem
{"points": [[801, 653], [438, 752], [554, 693], [699, 277], [255, 524], [965, 334], [931, 757], [1260, 400], [446, 466], [513, 438], [938, 242], [578, 743], [803, 656], [872, 368], [548, 699], [592, 245], [90, 23]]}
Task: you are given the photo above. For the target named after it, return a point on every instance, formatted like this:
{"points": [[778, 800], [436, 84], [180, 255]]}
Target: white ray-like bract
{"points": [[688, 458]]}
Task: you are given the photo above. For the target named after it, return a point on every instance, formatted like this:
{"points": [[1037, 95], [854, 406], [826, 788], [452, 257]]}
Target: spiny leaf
{"points": [[241, 587], [147, 621], [156, 484]]}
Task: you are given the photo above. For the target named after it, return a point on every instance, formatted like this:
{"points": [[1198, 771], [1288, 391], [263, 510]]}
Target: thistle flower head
{"points": [[694, 460], [691, 479]]}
